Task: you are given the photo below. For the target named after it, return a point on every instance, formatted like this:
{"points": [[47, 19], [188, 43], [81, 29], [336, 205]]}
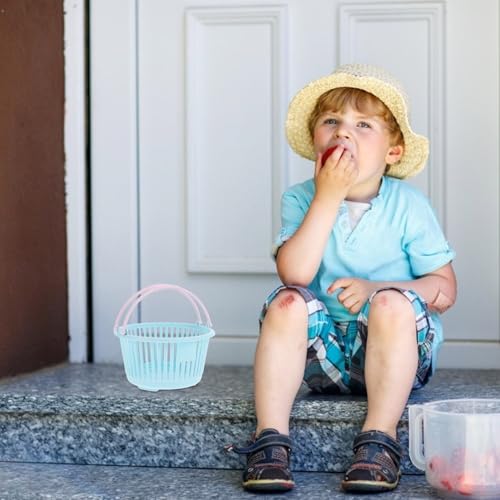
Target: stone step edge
{"points": [[303, 409], [23, 481]]}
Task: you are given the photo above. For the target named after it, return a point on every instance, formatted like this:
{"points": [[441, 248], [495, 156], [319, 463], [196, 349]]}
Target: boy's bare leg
{"points": [[391, 360], [280, 360]]}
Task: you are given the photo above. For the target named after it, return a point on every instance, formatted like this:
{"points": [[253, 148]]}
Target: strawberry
{"points": [[437, 465], [327, 154], [465, 484], [447, 484]]}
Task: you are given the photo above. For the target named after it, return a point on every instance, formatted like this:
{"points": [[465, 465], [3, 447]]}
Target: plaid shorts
{"points": [[336, 350]]}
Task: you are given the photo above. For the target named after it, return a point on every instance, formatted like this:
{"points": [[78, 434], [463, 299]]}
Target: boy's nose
{"points": [[343, 132]]}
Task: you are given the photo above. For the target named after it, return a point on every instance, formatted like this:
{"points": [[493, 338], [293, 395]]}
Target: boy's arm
{"points": [[299, 258], [438, 289]]}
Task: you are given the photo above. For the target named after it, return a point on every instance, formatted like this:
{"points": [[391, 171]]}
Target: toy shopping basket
{"points": [[163, 355]]}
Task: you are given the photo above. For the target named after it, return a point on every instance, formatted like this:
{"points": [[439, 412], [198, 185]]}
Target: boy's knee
{"points": [[288, 302], [391, 304]]}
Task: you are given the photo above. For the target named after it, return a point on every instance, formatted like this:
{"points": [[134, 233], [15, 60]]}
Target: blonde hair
{"points": [[339, 98]]}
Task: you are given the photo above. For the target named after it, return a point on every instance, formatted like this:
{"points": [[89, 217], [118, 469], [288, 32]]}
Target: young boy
{"points": [[366, 271]]}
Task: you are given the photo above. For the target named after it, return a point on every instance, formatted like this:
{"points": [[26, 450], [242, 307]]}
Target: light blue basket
{"points": [[163, 355]]}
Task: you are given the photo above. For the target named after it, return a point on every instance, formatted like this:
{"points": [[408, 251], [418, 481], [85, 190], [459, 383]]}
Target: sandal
{"points": [[268, 462], [376, 464]]}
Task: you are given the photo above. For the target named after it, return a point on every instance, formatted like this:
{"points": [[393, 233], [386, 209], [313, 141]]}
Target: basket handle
{"points": [[123, 316]]}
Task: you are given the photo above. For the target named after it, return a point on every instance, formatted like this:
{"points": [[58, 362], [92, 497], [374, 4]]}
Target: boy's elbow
{"points": [[443, 301], [293, 278], [292, 273], [447, 290]]}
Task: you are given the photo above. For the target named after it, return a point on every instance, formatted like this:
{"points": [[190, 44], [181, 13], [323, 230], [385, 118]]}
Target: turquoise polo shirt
{"points": [[398, 239]]}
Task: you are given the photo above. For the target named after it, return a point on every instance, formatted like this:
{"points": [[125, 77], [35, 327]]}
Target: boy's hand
{"points": [[336, 177], [356, 292]]}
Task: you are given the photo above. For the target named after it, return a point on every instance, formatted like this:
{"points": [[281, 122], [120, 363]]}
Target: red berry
{"points": [[447, 484], [465, 490], [327, 154], [437, 464], [466, 483]]}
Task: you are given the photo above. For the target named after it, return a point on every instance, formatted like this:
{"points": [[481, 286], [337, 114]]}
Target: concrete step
{"points": [[90, 414], [94, 482]]}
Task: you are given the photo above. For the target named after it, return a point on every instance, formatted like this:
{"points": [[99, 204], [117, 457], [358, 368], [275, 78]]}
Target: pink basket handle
{"points": [[130, 305]]}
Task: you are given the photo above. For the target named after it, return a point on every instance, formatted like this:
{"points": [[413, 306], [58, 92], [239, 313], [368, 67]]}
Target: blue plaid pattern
{"points": [[336, 350]]}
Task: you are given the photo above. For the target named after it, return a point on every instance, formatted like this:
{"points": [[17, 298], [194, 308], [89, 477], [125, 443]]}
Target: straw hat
{"points": [[374, 80]]}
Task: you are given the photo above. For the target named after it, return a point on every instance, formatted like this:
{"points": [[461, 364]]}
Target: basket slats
{"points": [[164, 355]]}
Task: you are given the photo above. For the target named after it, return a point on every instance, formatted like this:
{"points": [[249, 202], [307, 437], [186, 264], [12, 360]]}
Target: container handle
{"points": [[123, 316], [416, 439]]}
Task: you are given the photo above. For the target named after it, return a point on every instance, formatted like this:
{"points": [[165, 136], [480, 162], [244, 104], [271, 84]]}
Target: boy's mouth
{"points": [[328, 152]]}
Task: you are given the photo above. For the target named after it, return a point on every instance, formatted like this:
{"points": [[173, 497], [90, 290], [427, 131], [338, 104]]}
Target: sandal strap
{"points": [[376, 464], [380, 438], [263, 441]]}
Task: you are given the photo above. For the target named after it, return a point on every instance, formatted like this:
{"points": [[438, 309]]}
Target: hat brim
{"points": [[416, 147]]}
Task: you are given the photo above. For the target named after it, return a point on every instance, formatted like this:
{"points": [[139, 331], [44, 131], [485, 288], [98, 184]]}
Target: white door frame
{"points": [[76, 194], [75, 177]]}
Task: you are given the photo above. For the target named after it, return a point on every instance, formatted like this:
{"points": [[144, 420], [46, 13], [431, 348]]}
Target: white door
{"points": [[189, 158]]}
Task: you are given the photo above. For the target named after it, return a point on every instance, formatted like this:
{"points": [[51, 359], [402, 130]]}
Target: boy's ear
{"points": [[394, 154]]}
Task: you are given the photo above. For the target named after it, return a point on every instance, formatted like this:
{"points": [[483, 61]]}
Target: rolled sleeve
{"points": [[426, 245], [292, 215]]}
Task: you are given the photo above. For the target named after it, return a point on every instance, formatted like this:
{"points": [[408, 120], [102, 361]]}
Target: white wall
{"points": [[189, 157]]}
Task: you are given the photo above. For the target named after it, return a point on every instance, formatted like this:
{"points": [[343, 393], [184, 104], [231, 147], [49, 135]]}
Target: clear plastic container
{"points": [[457, 443]]}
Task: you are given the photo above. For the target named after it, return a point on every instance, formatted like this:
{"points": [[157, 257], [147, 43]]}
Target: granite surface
{"points": [[90, 414], [64, 482], [82, 388]]}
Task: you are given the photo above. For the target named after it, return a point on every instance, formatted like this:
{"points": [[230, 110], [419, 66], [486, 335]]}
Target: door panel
{"points": [[189, 157]]}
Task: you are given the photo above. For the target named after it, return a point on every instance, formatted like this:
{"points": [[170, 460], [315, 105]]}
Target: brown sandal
{"points": [[376, 464], [268, 462]]}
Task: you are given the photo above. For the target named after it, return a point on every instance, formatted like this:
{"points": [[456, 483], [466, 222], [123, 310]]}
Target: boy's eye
{"points": [[330, 121], [364, 125]]}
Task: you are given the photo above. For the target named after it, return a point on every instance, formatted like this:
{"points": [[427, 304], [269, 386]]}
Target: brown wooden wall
{"points": [[33, 274]]}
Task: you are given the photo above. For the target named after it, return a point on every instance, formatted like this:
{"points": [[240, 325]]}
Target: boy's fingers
{"points": [[338, 153], [317, 166], [346, 157], [346, 296], [340, 283], [335, 157], [355, 308]]}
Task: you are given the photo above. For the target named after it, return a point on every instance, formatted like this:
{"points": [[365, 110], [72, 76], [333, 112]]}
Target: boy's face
{"points": [[364, 135]]}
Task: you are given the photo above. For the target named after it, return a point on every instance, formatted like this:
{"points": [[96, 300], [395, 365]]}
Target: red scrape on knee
{"points": [[382, 299], [286, 301]]}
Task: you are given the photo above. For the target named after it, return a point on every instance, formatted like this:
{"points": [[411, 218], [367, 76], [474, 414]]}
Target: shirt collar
{"points": [[382, 192]]}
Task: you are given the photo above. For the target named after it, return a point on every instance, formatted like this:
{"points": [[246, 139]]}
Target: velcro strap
{"points": [[377, 437], [264, 442]]}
